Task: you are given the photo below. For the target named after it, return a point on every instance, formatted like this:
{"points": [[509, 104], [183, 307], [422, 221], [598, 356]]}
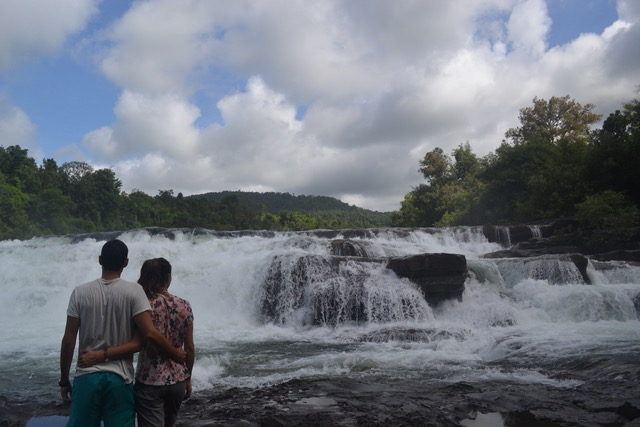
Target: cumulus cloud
{"points": [[156, 45], [33, 27], [160, 123], [29, 28], [622, 57], [15, 126], [380, 86], [332, 97], [528, 27]]}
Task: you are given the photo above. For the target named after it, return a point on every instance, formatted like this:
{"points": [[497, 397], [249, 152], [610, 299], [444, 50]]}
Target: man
{"points": [[104, 313]]}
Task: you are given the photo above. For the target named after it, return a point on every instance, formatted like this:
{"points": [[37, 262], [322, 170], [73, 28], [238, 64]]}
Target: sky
{"points": [[338, 98]]}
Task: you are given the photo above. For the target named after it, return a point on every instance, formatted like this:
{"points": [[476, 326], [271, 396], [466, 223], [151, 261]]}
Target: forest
{"points": [[48, 199], [553, 165]]}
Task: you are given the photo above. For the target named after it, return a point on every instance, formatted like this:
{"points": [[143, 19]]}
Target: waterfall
{"points": [[274, 306], [536, 231], [503, 235], [552, 269], [302, 290]]}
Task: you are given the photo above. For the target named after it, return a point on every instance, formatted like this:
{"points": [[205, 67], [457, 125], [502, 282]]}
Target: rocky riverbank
{"points": [[349, 401]]}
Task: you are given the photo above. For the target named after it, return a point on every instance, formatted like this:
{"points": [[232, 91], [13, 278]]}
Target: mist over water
{"points": [[255, 325]]}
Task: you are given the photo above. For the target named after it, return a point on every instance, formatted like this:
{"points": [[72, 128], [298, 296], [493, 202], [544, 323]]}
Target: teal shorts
{"points": [[102, 396]]}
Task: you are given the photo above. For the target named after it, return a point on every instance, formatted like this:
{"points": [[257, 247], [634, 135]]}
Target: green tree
{"points": [[75, 171], [450, 194], [13, 212], [50, 212], [558, 121], [422, 206], [138, 210], [50, 175], [613, 161], [539, 171], [95, 195], [610, 220], [19, 169], [460, 196]]}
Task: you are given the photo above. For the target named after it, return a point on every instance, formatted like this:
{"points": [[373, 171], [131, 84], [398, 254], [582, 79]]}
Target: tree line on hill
{"points": [[274, 202], [48, 199], [553, 165]]}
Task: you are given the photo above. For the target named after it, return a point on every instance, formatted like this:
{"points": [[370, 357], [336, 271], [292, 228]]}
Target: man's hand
{"points": [[89, 358], [65, 393], [181, 357]]}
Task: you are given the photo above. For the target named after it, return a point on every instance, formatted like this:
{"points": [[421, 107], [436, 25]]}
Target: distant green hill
{"points": [[321, 207], [278, 202]]}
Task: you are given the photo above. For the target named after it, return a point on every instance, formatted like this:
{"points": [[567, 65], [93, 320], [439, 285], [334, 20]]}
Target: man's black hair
{"points": [[114, 255]]}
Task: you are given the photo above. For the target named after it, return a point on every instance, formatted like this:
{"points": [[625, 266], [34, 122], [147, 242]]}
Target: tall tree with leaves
{"points": [[19, 169], [450, 193], [421, 206], [538, 171], [613, 161]]}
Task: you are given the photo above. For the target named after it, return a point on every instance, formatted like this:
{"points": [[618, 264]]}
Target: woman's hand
{"points": [[89, 358], [188, 392]]}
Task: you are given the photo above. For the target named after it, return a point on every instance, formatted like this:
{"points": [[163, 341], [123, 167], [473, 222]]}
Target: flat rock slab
{"points": [[349, 401]]}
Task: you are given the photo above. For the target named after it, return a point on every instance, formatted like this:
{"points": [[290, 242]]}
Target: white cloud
{"points": [[101, 141], [381, 84], [160, 123], [156, 45], [629, 11], [261, 142], [29, 28], [32, 27], [528, 27], [15, 126]]}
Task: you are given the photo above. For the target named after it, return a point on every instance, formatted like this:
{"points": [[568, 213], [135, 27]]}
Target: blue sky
{"points": [[334, 97]]}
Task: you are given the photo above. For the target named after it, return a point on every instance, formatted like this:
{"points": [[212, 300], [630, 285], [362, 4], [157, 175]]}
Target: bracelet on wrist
{"points": [[64, 383]]}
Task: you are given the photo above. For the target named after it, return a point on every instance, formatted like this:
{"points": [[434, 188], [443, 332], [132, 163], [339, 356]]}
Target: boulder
{"points": [[352, 248], [632, 256], [440, 276], [581, 262], [520, 233]]}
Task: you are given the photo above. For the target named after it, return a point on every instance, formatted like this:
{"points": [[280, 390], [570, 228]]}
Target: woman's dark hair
{"points": [[154, 275], [114, 255]]}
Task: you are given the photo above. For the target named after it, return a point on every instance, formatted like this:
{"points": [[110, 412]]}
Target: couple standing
{"points": [[113, 319]]}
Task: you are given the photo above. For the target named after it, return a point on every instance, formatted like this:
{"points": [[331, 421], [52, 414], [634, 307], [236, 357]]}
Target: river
{"points": [[517, 324]]}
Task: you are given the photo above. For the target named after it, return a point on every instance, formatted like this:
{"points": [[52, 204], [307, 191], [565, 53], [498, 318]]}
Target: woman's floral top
{"points": [[171, 316]]}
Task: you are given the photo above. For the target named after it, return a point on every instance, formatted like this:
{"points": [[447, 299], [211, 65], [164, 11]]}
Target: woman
{"points": [[161, 384]]}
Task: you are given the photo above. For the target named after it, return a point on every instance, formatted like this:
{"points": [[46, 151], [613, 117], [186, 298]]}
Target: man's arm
{"points": [[92, 357], [191, 354], [67, 347], [149, 332]]}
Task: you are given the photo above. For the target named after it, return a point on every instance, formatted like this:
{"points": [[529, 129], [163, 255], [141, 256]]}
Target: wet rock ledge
{"points": [[350, 401]]}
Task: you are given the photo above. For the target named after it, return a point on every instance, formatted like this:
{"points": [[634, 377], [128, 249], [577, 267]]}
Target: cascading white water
{"points": [[306, 290], [554, 270], [274, 307], [503, 234], [535, 230]]}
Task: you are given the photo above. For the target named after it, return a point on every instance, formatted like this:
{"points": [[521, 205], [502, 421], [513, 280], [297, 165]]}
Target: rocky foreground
{"points": [[346, 401]]}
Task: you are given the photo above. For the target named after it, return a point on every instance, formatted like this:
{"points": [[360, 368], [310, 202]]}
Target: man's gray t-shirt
{"points": [[106, 309]]}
